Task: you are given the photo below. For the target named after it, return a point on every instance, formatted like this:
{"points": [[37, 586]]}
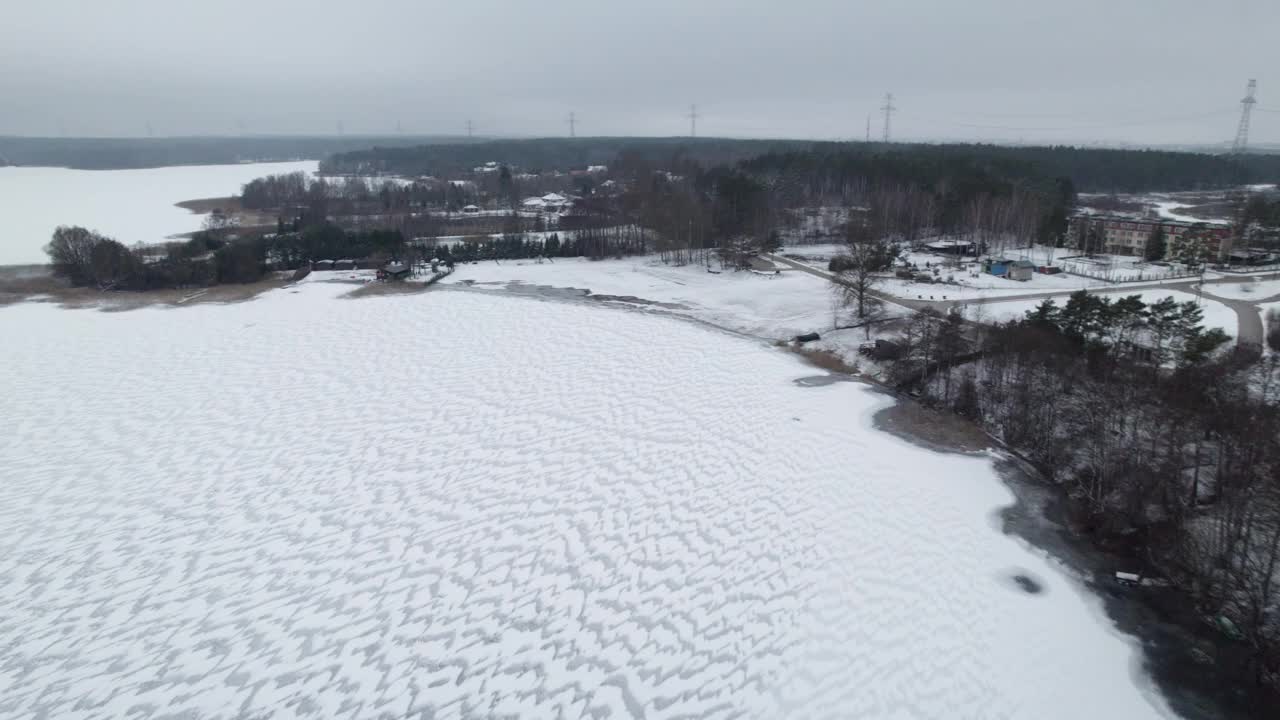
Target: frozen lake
{"points": [[458, 504], [130, 205]]}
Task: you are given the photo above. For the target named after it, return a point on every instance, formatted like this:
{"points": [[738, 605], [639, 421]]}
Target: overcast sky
{"points": [[1139, 71]]}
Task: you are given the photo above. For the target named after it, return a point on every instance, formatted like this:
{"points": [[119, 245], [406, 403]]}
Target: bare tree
{"points": [[857, 271]]}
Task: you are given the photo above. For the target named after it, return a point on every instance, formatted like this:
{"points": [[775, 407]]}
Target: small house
{"points": [[394, 271], [554, 201], [1021, 270], [470, 209]]}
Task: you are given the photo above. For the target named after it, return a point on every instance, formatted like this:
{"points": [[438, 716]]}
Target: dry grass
{"points": [[203, 206], [938, 429], [387, 288], [826, 360], [20, 287]]}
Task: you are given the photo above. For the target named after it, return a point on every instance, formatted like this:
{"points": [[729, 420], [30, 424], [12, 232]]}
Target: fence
{"points": [[1128, 274]]}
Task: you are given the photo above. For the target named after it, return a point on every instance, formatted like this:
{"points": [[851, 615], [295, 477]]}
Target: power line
{"points": [[1241, 144], [888, 109], [1102, 126]]}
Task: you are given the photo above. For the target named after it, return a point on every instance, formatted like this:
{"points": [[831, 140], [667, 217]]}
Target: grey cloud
{"points": [[1093, 70]]}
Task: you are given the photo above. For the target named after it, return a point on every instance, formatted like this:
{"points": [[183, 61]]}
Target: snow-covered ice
{"points": [[133, 206], [464, 504]]}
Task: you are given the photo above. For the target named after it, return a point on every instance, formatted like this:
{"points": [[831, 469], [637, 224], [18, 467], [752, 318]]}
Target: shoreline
{"points": [[1172, 641], [1161, 623]]}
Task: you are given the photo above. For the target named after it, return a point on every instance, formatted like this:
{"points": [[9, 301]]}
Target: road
{"points": [[1249, 328]]}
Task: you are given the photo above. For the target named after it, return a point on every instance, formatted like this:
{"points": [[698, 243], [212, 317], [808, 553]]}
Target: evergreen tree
{"points": [[1156, 246], [1046, 315]]}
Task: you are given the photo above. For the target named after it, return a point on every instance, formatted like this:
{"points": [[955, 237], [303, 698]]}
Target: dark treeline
{"points": [[89, 259], [125, 153], [1262, 210], [1167, 450], [1090, 169], [550, 154], [349, 195], [593, 243], [211, 257]]}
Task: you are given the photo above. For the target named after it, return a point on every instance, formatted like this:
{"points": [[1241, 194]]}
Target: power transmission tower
{"points": [[1241, 145], [399, 127], [572, 122], [470, 128], [889, 110], [868, 128], [693, 121], [341, 130]]}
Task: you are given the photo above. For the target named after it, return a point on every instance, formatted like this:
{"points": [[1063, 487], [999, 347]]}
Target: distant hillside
{"points": [[125, 153], [1090, 169]]}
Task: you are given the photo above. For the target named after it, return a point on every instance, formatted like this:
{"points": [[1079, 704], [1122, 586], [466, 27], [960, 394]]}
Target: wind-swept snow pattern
{"points": [[458, 504]]}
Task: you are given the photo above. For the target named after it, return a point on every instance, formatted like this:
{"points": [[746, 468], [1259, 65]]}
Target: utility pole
{"points": [[1241, 144], [572, 121], [693, 121], [888, 109]]}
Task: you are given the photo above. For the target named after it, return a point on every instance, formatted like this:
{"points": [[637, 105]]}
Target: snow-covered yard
{"points": [[816, 252], [1122, 268], [1248, 290], [460, 504], [1215, 313], [971, 284], [778, 306]]}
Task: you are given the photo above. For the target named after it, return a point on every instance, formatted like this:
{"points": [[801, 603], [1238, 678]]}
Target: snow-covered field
{"points": [[1215, 313], [818, 251], [968, 287], [130, 205], [1249, 290], [771, 306], [460, 504]]}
